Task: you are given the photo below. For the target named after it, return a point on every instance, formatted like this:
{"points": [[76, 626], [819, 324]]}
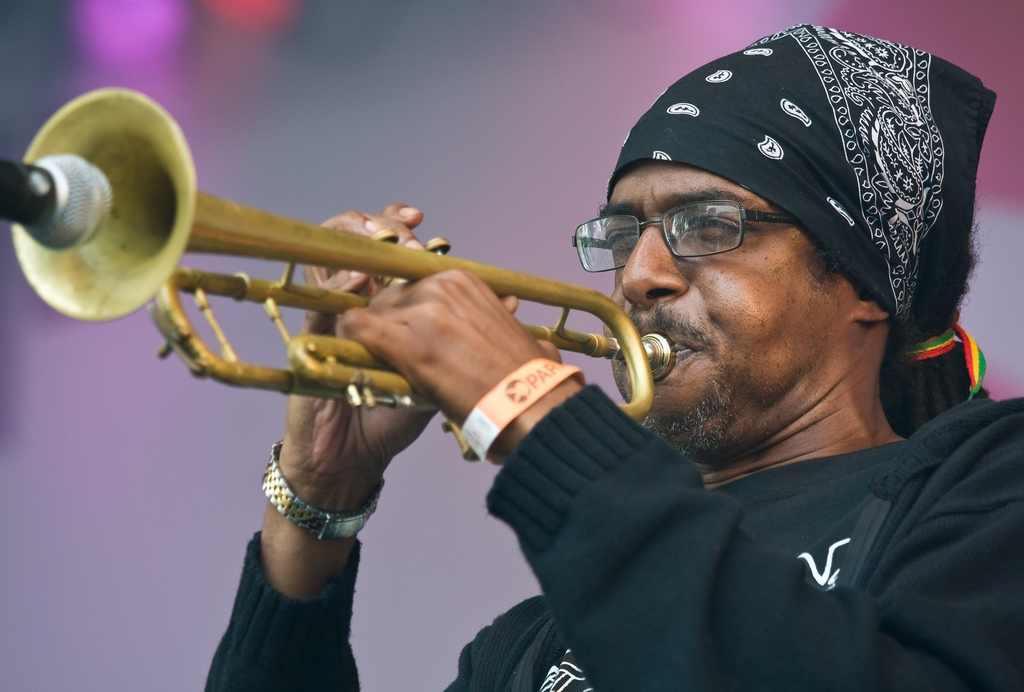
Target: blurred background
{"points": [[131, 489]]}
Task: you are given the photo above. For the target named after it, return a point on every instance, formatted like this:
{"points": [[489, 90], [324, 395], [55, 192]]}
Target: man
{"points": [[796, 218]]}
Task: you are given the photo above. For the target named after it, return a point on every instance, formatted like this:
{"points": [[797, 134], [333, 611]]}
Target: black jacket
{"points": [[655, 585]]}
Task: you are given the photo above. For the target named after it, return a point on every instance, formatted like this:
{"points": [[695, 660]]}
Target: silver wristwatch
{"points": [[319, 522]]}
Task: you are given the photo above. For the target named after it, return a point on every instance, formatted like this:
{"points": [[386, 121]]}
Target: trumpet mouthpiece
{"points": [[659, 353]]}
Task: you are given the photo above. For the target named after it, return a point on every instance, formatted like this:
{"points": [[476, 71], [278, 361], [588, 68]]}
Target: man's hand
{"points": [[450, 336], [334, 455], [454, 340]]}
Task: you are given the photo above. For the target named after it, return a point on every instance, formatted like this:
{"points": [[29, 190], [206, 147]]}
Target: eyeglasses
{"points": [[692, 230]]}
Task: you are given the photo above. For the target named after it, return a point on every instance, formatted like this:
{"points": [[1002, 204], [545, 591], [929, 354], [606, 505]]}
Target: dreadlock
{"points": [[915, 392]]}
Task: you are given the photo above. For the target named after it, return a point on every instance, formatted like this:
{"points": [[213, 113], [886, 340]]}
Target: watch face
{"points": [[344, 528]]}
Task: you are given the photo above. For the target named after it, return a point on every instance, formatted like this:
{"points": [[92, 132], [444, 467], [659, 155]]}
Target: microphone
{"points": [[59, 200]]}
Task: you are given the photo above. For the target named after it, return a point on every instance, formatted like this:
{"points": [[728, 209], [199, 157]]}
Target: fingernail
{"points": [[408, 212], [373, 226]]}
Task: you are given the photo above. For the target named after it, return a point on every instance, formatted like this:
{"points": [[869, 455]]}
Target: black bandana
{"points": [[872, 145]]}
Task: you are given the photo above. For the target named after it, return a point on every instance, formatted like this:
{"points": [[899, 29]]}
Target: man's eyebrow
{"points": [[616, 209], [707, 194]]}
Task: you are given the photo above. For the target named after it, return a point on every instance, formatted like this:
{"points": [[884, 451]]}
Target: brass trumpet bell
{"points": [[146, 159]]}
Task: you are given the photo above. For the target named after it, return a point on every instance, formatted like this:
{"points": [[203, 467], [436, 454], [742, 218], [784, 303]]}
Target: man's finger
{"points": [[351, 221], [410, 216], [511, 303]]}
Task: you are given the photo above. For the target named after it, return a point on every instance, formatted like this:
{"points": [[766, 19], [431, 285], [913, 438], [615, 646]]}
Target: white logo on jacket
{"points": [[826, 576], [565, 677]]}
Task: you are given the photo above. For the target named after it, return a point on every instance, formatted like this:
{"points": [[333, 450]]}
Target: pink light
{"points": [[258, 16], [125, 33]]}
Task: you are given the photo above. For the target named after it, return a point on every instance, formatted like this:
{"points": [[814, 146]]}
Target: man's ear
{"points": [[867, 308]]}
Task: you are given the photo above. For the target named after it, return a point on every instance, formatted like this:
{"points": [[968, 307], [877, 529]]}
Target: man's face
{"points": [[754, 328]]}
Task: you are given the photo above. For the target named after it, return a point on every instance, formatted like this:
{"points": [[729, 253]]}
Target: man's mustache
{"points": [[681, 334]]}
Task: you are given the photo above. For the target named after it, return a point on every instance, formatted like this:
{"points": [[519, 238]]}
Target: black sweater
{"points": [[657, 584]]}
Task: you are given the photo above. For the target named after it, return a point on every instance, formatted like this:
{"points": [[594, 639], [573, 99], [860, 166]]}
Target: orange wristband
{"points": [[517, 392]]}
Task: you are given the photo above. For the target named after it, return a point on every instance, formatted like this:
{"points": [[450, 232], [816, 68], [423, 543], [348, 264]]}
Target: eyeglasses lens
{"points": [[704, 228], [606, 243], [692, 230]]}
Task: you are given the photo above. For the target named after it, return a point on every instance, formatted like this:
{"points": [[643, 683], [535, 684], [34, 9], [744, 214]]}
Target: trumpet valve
{"points": [[386, 236], [439, 246]]}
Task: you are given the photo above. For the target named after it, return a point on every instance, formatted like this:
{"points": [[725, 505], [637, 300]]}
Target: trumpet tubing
{"points": [[157, 215]]}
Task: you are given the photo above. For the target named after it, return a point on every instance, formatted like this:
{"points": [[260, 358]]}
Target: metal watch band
{"points": [[319, 522]]}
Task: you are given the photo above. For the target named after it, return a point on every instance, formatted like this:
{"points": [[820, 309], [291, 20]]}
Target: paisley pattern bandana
{"points": [[873, 145]]}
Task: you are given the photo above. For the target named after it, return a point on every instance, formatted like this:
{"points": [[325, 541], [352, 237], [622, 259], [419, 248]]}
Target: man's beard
{"points": [[700, 431], [697, 433]]}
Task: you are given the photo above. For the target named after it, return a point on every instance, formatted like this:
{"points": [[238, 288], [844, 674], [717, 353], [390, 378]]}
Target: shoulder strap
{"points": [[524, 679], [865, 533]]}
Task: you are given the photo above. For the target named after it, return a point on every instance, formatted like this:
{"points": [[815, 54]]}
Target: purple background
{"points": [[130, 489]]}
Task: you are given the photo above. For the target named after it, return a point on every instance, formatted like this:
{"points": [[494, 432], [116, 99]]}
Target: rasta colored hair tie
{"points": [[973, 357], [932, 347], [975, 360]]}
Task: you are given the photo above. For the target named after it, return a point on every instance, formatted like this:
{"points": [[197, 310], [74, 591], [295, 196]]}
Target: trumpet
{"points": [[150, 214]]}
